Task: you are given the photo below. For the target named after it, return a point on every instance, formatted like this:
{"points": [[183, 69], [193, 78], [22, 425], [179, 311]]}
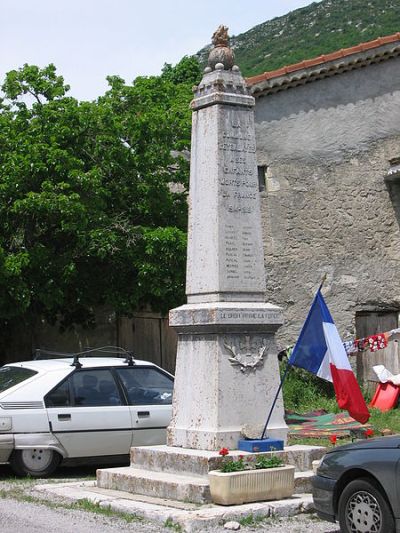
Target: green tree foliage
{"points": [[92, 195]]}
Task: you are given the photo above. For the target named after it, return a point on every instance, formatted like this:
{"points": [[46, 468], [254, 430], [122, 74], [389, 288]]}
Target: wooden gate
{"points": [[149, 336]]}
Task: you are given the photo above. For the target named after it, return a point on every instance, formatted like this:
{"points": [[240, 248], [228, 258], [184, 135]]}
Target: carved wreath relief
{"points": [[247, 352]]}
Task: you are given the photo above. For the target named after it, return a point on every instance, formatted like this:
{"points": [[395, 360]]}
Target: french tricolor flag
{"points": [[320, 350]]}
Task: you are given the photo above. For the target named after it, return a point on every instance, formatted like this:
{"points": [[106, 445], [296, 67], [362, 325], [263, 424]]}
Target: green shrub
{"points": [[303, 392]]}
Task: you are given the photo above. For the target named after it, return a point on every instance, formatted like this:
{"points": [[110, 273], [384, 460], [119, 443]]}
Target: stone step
{"points": [[302, 482], [167, 485], [200, 462], [171, 486]]}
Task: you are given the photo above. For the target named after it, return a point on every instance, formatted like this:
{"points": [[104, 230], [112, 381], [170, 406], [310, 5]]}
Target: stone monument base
{"points": [[227, 374], [182, 474]]}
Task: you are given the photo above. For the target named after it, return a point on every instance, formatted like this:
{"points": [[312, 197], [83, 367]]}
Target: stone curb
{"points": [[189, 516]]}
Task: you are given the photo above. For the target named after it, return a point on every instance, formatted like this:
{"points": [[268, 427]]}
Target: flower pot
{"points": [[230, 488]]}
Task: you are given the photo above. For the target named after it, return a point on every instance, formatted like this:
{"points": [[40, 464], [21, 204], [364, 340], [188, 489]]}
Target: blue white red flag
{"points": [[320, 350]]}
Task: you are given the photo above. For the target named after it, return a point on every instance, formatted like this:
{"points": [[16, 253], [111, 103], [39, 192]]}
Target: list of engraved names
{"points": [[239, 197]]}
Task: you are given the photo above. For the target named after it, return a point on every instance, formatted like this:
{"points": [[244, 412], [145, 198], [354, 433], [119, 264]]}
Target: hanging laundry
{"points": [[393, 332], [373, 343], [361, 344], [377, 342], [350, 347]]}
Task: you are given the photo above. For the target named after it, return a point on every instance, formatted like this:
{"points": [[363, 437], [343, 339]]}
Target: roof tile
{"points": [[344, 52]]}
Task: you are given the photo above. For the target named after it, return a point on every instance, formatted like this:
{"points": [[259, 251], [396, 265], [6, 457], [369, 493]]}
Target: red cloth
{"points": [[377, 342], [348, 394]]}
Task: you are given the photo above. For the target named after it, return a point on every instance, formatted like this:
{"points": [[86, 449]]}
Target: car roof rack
{"points": [[103, 351], [76, 363]]}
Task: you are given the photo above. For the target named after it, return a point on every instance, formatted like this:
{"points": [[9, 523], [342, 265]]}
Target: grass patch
{"points": [[317, 441], [86, 505], [251, 520], [173, 525], [389, 420], [17, 493], [92, 507], [303, 392]]}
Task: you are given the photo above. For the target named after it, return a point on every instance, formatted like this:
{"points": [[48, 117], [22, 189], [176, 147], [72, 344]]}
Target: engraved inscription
{"points": [[237, 182], [231, 253], [238, 170], [239, 147], [239, 197], [272, 317], [248, 253]]}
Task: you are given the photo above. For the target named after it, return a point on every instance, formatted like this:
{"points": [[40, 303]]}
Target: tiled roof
{"points": [[309, 66]]}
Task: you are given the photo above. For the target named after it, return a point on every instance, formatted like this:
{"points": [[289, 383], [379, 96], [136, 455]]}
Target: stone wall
{"points": [[326, 207]]}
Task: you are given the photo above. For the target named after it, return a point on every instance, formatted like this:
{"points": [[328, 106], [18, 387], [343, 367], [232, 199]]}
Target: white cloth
{"points": [[384, 375]]}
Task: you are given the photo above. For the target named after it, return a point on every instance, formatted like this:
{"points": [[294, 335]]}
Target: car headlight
{"points": [[5, 423]]}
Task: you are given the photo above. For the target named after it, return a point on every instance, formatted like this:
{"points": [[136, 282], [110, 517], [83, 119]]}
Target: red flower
{"points": [[369, 432], [241, 457], [333, 439], [223, 451]]}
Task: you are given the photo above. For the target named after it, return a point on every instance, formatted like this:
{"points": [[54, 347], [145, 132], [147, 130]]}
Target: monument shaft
{"points": [[227, 371], [225, 255]]}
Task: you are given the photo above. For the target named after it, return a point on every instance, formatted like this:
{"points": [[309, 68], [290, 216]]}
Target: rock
{"points": [[232, 525], [252, 431]]}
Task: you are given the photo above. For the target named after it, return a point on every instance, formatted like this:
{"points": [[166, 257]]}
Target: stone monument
{"points": [[227, 370]]}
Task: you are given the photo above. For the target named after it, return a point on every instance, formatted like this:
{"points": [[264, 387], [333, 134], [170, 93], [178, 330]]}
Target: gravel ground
{"points": [[22, 510]]}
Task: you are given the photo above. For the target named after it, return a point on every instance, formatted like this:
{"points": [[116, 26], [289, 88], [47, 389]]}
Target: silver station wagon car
{"points": [[80, 409]]}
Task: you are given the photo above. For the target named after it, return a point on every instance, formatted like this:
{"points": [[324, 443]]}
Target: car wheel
{"points": [[363, 509], [35, 462]]}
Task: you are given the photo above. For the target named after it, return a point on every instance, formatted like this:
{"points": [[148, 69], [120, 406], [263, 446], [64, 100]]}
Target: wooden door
{"points": [[370, 323]]}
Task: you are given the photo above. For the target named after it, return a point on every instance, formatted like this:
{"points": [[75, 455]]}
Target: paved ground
{"points": [[25, 510], [23, 517]]}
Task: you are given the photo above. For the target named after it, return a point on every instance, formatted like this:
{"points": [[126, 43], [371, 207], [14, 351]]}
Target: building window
{"points": [[262, 171]]}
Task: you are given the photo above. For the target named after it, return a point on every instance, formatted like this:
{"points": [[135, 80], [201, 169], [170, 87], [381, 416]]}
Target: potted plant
{"points": [[257, 478]]}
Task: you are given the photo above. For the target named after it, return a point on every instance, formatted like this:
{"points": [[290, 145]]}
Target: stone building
{"points": [[328, 150]]}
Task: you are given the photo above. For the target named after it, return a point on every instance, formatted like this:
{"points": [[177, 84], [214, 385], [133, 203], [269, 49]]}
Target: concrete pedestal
{"points": [[227, 351]]}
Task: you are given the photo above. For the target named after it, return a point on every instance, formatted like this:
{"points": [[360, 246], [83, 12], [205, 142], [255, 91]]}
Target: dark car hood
{"points": [[393, 441]]}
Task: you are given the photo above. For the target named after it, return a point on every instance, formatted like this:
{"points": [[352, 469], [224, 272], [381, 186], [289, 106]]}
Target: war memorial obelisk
{"points": [[227, 370]]}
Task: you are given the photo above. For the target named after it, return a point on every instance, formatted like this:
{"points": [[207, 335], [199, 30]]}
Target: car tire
{"points": [[363, 508], [34, 462]]}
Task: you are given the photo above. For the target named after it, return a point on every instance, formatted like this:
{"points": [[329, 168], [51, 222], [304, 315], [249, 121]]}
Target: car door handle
{"points": [[143, 414], [64, 417]]}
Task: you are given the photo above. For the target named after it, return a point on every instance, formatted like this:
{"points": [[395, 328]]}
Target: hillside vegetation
{"points": [[319, 28]]}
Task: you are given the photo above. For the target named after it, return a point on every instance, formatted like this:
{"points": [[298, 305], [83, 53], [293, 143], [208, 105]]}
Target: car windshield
{"points": [[11, 375]]}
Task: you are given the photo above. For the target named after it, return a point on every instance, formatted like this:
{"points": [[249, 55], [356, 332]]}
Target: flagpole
{"points": [[322, 281], [286, 371], [276, 398]]}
